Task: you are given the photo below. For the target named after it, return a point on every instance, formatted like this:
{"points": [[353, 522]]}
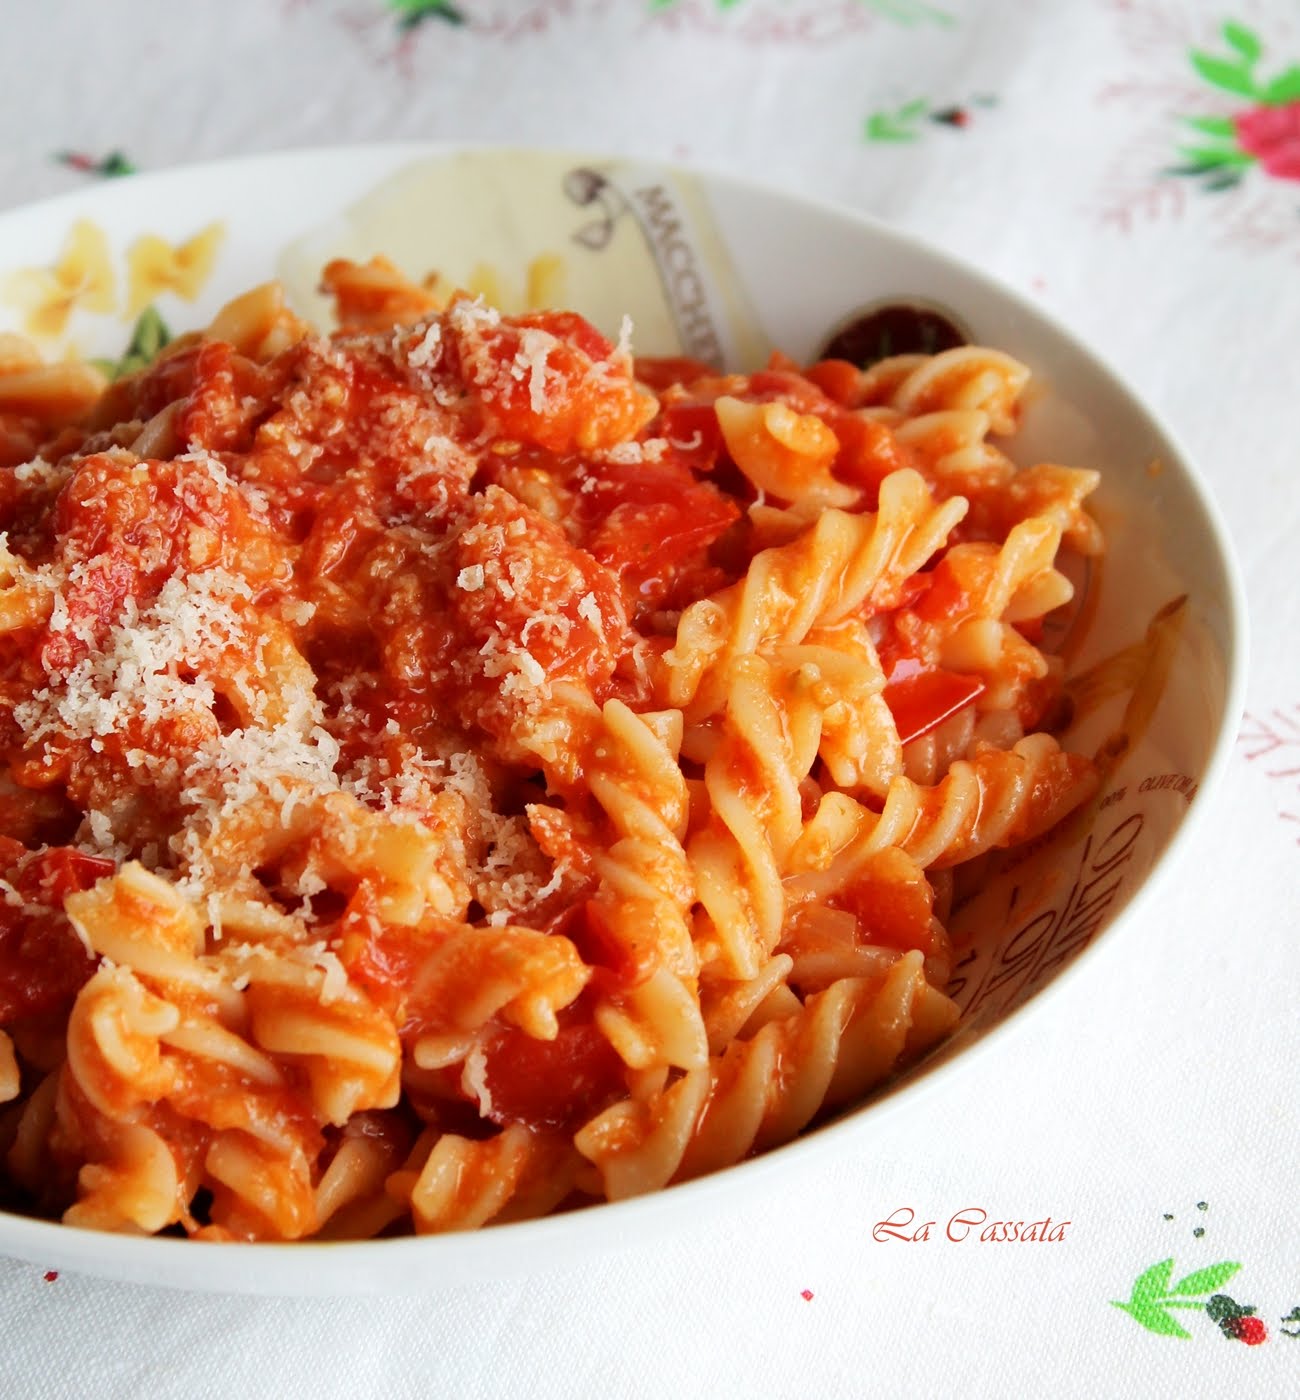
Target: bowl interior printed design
{"points": [[1143, 638]]}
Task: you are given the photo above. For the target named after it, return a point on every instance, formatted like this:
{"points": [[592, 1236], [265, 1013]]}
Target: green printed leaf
{"points": [[148, 337], [1244, 40], [1207, 157], [1282, 89], [882, 126], [1224, 73], [898, 125], [115, 164], [1153, 1318], [1216, 176], [1205, 1280], [1154, 1283], [1214, 126], [911, 12], [413, 13]]}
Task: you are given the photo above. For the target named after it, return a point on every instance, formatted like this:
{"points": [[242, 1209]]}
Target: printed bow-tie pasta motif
{"points": [[543, 286], [155, 266], [82, 277], [387, 295]]}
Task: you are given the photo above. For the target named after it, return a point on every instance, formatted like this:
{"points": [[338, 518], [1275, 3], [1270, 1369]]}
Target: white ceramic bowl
{"points": [[720, 267]]}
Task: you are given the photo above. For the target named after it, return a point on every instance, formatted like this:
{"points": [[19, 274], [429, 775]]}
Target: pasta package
{"points": [[452, 770]]}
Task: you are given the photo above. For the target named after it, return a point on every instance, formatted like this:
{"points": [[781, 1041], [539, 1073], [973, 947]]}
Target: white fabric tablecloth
{"points": [[1152, 1101]]}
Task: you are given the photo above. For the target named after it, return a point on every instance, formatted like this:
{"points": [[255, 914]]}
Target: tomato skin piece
{"points": [[579, 408], [869, 452], [920, 700], [693, 434], [551, 1084], [652, 524], [892, 901], [839, 380], [618, 962], [43, 963], [661, 372], [571, 328], [381, 959], [653, 547]]}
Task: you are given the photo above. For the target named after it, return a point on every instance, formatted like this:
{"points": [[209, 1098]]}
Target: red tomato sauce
{"points": [[43, 963]]}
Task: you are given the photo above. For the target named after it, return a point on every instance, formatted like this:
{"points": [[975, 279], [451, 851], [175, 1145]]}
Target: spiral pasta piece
{"points": [[217, 1039], [996, 798], [25, 598], [841, 565], [646, 889], [464, 1184], [738, 856], [494, 774], [765, 1090]]}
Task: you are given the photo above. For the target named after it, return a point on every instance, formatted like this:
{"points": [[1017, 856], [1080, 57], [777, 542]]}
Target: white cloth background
{"points": [[1165, 1073]]}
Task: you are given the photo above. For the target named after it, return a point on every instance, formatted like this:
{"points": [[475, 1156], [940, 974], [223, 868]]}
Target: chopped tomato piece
{"points": [[555, 1084], [549, 378], [381, 959], [660, 372], [837, 379], [618, 959], [693, 433], [43, 963], [920, 700], [869, 452], [653, 527], [892, 900]]}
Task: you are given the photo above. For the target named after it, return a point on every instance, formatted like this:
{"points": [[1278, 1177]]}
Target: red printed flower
{"points": [[1272, 136], [1237, 1323], [1250, 1330]]}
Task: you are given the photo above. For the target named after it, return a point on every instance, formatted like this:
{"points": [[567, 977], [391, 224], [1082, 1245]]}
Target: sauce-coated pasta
{"points": [[450, 771]]}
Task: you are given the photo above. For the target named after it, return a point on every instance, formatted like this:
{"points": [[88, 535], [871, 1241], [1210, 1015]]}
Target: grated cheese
{"points": [[175, 691], [535, 346], [472, 317], [625, 454], [530, 667], [428, 351], [623, 350], [589, 611], [473, 1078]]}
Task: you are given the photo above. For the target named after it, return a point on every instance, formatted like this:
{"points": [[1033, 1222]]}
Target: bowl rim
{"points": [[519, 1246]]}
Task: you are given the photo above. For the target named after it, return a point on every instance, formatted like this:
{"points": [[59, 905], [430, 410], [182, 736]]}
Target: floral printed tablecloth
{"points": [[1135, 166]]}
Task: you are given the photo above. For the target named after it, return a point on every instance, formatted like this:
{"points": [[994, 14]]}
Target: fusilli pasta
{"points": [[451, 771]]}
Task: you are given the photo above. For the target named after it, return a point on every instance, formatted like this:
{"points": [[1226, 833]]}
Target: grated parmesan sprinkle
{"points": [[535, 346]]}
